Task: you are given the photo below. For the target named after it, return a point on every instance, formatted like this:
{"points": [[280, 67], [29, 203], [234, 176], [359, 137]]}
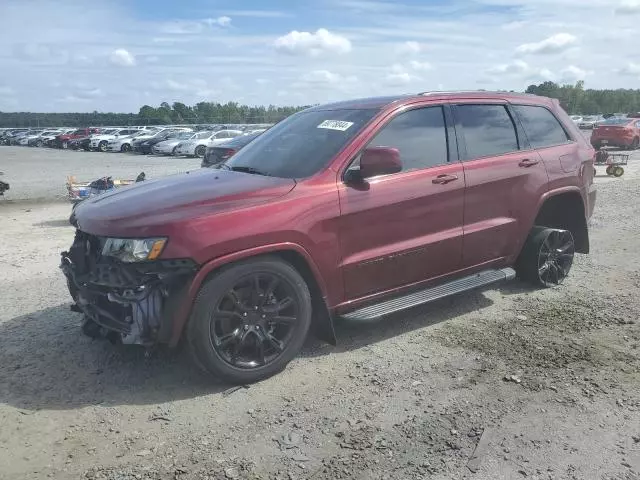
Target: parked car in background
{"points": [[168, 146], [576, 118], [217, 154], [123, 144], [617, 132], [100, 141], [44, 138], [62, 141], [32, 134], [145, 146], [198, 146], [358, 209], [589, 122]]}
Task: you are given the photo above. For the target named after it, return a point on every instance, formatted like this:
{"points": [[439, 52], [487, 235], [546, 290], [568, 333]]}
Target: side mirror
{"points": [[376, 161]]}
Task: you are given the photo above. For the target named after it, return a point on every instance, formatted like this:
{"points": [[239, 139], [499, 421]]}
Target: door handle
{"points": [[527, 162], [444, 179]]}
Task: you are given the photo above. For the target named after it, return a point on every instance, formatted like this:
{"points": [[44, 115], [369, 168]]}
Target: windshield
{"points": [[616, 121], [182, 135], [302, 144]]}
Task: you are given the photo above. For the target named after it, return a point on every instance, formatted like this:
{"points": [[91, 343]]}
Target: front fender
{"points": [[182, 314]]}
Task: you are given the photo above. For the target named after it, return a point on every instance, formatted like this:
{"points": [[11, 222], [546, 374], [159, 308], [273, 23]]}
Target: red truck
{"points": [[356, 209], [62, 141]]}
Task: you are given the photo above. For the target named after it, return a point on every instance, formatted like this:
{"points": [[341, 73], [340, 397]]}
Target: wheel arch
{"points": [[565, 209], [291, 253]]}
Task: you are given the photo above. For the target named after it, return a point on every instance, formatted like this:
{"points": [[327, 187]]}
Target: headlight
{"points": [[131, 250]]}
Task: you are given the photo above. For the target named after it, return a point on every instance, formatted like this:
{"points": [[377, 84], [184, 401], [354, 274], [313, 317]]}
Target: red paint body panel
{"points": [[363, 242]]}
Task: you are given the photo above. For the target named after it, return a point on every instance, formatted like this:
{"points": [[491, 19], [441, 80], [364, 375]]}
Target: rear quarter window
{"points": [[543, 129]]}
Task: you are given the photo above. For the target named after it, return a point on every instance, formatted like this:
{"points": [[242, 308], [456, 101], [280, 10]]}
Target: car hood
{"points": [[145, 209]]}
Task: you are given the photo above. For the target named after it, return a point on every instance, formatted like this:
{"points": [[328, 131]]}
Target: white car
{"points": [[123, 144], [101, 140], [168, 146], [576, 118], [197, 147]]}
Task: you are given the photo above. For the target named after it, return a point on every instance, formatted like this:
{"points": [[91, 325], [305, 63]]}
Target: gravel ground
{"points": [[40, 174], [501, 384]]}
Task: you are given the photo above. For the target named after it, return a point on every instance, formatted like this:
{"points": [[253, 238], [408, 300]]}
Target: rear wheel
{"points": [[200, 150], [250, 320], [609, 170], [617, 171], [125, 147], [547, 256], [39, 143], [102, 146]]}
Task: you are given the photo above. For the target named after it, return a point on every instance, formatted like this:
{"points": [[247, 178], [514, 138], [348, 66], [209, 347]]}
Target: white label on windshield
{"points": [[335, 125]]}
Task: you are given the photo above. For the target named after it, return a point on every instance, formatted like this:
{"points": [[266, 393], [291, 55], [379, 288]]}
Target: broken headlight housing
{"points": [[130, 250]]}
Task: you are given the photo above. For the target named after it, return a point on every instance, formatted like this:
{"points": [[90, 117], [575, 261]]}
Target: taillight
{"points": [[227, 153]]}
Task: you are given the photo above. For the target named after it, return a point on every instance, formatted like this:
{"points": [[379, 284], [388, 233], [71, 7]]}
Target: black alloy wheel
{"points": [[547, 256], [250, 320]]}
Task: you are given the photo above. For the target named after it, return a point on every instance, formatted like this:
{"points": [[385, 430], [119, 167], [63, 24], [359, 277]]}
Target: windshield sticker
{"points": [[335, 125]]}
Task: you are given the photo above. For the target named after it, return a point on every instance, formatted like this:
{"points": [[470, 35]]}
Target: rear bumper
{"points": [[131, 303], [612, 142]]}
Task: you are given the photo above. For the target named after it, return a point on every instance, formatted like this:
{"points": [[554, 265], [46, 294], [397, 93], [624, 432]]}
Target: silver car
{"points": [[198, 146], [168, 146]]}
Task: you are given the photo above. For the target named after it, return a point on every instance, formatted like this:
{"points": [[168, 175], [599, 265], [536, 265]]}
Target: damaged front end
{"points": [[132, 303]]}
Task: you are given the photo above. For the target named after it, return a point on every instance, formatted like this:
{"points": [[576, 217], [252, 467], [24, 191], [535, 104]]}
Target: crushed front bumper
{"points": [[132, 303]]}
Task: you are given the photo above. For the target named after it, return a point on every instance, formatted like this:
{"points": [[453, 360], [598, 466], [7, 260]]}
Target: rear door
{"points": [[404, 228], [504, 180]]}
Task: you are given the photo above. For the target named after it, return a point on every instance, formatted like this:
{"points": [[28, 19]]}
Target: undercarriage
{"points": [[132, 303]]}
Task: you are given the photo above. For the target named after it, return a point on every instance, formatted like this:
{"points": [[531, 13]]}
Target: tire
{"points": [[39, 143], [125, 148], [64, 145], [617, 171], [200, 151], [547, 257], [609, 170], [253, 339], [102, 146], [635, 144], [173, 152]]}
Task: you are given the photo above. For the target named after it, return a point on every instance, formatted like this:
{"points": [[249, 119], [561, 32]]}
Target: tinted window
{"points": [[541, 127], [420, 136], [302, 144], [488, 130], [241, 140], [203, 135]]}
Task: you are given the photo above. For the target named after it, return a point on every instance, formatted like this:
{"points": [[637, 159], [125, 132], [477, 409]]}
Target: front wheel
{"points": [[250, 320], [547, 257], [125, 148], [200, 150], [102, 146]]}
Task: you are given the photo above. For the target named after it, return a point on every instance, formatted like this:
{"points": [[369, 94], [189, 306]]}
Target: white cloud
{"points": [[122, 58], [420, 66], [327, 77], [573, 73], [554, 44], [410, 47], [630, 69], [515, 67], [400, 78], [223, 21], [306, 43], [628, 7]]}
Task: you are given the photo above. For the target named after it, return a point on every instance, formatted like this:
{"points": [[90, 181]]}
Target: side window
{"points": [[542, 128], [420, 135], [488, 130]]}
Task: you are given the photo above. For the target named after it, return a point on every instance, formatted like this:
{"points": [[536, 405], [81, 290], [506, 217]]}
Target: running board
{"points": [[414, 299]]}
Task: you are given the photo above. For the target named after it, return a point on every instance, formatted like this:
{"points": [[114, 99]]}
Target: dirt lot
{"points": [[501, 384]]}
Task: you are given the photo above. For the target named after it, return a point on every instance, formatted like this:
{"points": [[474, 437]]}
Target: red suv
{"points": [[617, 132], [356, 209]]}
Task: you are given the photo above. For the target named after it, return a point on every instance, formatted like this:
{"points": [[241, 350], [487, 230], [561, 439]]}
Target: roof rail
{"points": [[440, 92]]}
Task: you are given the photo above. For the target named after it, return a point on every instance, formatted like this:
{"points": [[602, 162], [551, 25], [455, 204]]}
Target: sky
{"points": [[117, 55]]}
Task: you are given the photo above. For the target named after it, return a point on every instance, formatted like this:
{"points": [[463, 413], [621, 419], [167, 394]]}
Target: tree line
{"points": [[176, 113], [575, 99], [578, 101]]}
